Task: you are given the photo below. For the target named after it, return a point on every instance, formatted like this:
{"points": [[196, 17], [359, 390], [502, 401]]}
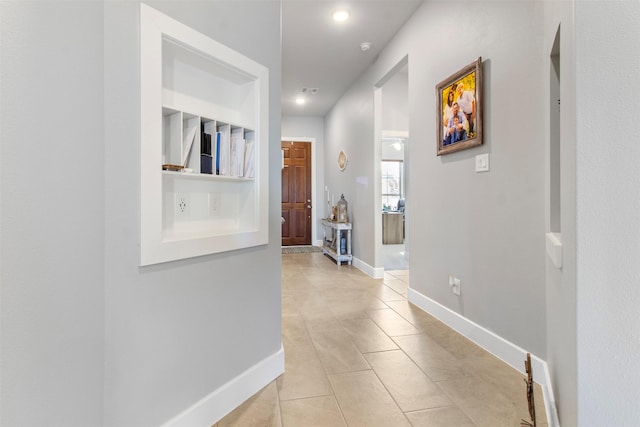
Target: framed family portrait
{"points": [[459, 110]]}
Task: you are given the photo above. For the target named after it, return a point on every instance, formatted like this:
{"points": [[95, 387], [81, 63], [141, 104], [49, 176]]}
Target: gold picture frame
{"points": [[459, 110]]}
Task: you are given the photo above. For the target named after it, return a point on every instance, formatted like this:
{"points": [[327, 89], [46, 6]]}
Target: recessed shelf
{"points": [[204, 176], [213, 121]]}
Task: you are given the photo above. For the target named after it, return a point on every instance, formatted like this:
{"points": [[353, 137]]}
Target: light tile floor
{"points": [[358, 354]]}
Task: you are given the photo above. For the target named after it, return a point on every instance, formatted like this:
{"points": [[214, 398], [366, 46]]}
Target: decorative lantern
{"points": [[342, 209]]}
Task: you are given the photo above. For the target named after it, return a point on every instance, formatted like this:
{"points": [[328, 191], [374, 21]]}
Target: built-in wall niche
{"points": [[554, 160], [204, 127]]}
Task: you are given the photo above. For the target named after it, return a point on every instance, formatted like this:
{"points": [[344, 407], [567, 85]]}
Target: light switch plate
{"points": [[482, 163]]}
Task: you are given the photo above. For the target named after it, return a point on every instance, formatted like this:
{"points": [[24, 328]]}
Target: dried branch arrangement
{"points": [[529, 382]]}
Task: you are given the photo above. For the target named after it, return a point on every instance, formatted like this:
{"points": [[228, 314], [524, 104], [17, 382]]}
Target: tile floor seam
{"points": [[462, 408], [279, 407], [413, 360], [391, 394], [430, 409], [335, 396], [312, 396], [344, 419]]}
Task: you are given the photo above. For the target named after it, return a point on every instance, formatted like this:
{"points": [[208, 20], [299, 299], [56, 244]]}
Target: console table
{"points": [[336, 240]]}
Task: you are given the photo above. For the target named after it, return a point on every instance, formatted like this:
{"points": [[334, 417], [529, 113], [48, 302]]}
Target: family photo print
{"points": [[459, 110]]}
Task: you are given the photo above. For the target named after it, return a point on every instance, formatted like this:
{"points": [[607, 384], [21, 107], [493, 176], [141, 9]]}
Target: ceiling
{"points": [[320, 53]]}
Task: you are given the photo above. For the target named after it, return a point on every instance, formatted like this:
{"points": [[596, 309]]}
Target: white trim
{"points": [[378, 134], [395, 134], [506, 351], [213, 407], [376, 273], [377, 176], [554, 248], [314, 197]]}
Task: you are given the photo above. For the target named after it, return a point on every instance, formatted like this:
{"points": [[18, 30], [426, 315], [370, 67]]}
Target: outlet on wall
{"points": [[182, 205], [456, 286], [454, 282], [215, 204]]}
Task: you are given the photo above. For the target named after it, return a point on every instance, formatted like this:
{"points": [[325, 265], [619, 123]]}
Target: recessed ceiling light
{"points": [[300, 101], [340, 15]]}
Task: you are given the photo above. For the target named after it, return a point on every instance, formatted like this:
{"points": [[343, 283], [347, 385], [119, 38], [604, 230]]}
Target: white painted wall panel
{"points": [[608, 230]]}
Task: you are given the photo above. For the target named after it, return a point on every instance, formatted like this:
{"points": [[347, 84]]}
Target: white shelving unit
{"points": [[336, 240], [190, 85]]}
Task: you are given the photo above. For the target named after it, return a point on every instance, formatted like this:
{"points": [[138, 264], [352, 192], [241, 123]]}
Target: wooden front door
{"points": [[296, 193]]}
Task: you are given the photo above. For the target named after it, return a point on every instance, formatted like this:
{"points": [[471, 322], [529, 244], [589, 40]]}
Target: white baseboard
{"points": [[508, 352], [376, 273], [225, 399]]}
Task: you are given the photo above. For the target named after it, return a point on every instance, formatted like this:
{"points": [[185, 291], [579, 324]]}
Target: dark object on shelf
{"points": [[206, 163], [170, 167], [205, 143], [529, 382]]}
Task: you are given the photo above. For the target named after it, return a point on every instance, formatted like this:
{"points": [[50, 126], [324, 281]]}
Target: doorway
{"points": [[391, 97], [393, 202], [296, 193]]}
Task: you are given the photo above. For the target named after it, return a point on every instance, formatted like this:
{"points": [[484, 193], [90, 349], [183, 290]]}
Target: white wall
{"points": [[311, 127], [488, 229], [394, 114], [395, 103], [176, 332], [608, 231], [52, 220], [561, 283], [349, 127], [88, 337]]}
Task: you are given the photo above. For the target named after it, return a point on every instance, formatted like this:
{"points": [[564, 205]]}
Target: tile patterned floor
{"points": [[358, 354]]}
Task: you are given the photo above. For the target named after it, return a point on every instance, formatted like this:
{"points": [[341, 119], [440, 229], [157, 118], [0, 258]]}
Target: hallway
{"points": [[358, 354]]}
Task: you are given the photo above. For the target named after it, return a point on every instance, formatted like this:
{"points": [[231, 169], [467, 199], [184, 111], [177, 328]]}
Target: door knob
{"points": [[309, 206]]}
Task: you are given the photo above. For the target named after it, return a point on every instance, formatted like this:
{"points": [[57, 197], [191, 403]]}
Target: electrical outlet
{"points": [[454, 282], [456, 286], [215, 204], [182, 205]]}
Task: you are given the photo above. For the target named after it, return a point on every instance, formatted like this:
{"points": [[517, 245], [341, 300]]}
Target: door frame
{"points": [[314, 194], [377, 174]]}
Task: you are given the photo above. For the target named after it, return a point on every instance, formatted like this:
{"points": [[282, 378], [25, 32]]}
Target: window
{"points": [[392, 184]]}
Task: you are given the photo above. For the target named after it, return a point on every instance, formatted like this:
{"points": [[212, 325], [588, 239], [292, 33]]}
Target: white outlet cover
{"points": [[215, 204], [182, 205], [456, 286], [482, 162]]}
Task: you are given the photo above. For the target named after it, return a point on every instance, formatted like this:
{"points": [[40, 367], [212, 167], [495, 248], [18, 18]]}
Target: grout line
{"points": [[390, 395], [305, 397]]}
